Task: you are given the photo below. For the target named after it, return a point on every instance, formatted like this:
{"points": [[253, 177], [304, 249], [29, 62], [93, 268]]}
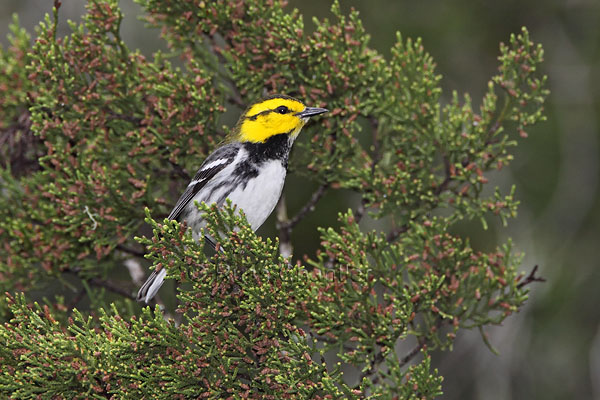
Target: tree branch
{"points": [[379, 358], [531, 278], [129, 250], [489, 140], [411, 354], [110, 286], [285, 224], [308, 207]]}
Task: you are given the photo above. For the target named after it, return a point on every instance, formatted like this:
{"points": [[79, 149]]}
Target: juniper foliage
{"points": [[97, 140]]}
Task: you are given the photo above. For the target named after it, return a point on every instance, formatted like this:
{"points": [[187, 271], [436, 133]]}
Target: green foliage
{"points": [[238, 334], [107, 118], [116, 133], [14, 85]]}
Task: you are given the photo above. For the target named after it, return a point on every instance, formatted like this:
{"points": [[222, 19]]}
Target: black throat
{"points": [[276, 147]]}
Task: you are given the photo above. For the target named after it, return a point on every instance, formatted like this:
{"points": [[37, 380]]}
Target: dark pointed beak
{"points": [[311, 112]]}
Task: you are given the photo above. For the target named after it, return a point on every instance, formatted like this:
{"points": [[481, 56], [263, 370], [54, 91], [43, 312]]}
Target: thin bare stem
{"points": [[411, 354], [285, 224], [129, 250], [531, 278], [110, 286], [308, 207]]}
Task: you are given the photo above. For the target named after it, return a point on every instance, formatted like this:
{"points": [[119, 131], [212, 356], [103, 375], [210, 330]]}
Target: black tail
{"points": [[151, 286]]}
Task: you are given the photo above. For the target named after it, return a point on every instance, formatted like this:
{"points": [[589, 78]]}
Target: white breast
{"points": [[260, 196], [257, 198]]}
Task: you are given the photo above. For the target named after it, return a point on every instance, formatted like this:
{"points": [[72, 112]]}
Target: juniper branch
{"points": [[531, 278]]}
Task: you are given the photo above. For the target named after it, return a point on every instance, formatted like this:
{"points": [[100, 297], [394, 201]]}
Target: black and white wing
{"points": [[214, 163]]}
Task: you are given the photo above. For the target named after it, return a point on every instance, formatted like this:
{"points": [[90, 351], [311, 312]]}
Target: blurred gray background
{"points": [[551, 349]]}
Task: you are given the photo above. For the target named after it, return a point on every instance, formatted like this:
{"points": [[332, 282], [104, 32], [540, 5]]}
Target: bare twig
{"points": [[411, 354], [110, 286], [129, 250], [402, 362], [531, 278], [285, 224], [379, 358], [308, 207]]}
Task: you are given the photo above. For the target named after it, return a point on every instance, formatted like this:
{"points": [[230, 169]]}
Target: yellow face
{"points": [[272, 116]]}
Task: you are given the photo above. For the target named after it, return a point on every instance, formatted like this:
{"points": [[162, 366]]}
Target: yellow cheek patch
{"points": [[260, 122]]}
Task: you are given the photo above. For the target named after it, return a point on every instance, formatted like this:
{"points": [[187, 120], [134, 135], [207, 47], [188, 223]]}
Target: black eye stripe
{"points": [[278, 110], [253, 117]]}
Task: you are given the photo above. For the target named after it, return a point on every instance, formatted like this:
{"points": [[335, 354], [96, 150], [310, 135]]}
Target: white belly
{"points": [[261, 194]]}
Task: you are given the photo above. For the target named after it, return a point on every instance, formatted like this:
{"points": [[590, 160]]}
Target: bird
{"points": [[249, 169]]}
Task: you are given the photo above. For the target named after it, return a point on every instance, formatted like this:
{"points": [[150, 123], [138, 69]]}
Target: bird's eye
{"points": [[282, 110]]}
